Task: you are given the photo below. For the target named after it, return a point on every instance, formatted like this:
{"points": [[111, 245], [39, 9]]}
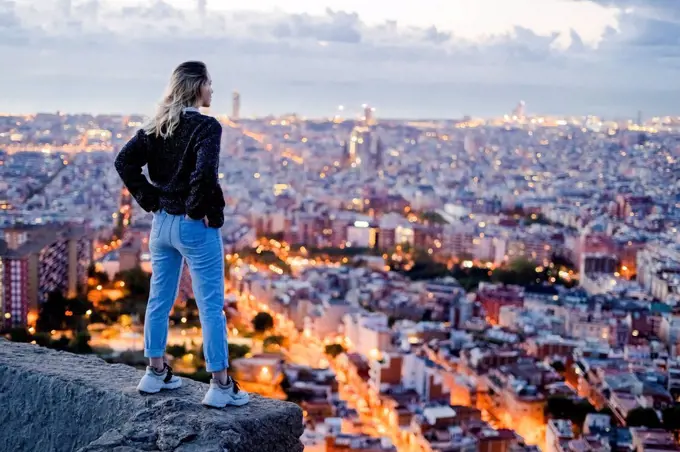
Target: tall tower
{"points": [[365, 150], [520, 110], [236, 106], [379, 154], [346, 159], [369, 120]]}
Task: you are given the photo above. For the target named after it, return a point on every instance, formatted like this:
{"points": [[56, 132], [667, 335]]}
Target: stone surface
{"points": [[56, 401]]}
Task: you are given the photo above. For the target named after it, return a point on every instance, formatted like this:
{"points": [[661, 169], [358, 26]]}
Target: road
{"points": [[309, 350], [268, 143]]}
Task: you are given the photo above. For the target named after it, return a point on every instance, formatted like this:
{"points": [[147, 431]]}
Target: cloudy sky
{"points": [[424, 58]]}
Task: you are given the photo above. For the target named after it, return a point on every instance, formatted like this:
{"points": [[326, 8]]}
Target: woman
{"points": [[181, 148]]}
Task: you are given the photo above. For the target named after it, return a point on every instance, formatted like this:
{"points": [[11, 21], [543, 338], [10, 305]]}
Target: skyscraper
{"points": [[369, 120], [365, 150], [520, 110], [236, 106]]}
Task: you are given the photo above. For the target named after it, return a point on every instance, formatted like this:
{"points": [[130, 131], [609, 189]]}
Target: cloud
{"points": [[96, 53], [332, 27], [646, 23]]}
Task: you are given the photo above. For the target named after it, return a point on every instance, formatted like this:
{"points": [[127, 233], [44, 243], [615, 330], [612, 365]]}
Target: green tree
{"points": [[61, 344], [558, 366], [101, 277], [425, 267], [200, 375], [433, 218], [520, 271], [43, 339], [137, 282], [237, 351], [358, 263], [671, 419], [271, 341], [643, 417], [334, 350], [262, 322], [59, 313], [52, 313], [177, 351], [81, 343], [19, 335], [560, 407], [108, 312]]}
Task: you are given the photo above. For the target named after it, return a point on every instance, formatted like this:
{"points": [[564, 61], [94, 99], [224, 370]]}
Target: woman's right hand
{"points": [[205, 220]]}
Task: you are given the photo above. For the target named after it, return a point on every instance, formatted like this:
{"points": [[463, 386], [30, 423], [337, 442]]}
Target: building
{"points": [[542, 347], [426, 378], [368, 333], [557, 433], [365, 150], [236, 106], [13, 288], [41, 260], [492, 298], [599, 263], [649, 439], [358, 443], [369, 118]]}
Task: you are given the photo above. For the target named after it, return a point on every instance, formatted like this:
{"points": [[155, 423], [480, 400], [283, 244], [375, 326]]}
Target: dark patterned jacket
{"points": [[183, 169]]}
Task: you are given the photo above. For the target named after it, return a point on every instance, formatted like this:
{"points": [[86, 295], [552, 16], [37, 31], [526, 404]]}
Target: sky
{"points": [[422, 59]]}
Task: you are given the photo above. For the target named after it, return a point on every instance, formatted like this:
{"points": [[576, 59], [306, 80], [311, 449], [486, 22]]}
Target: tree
{"points": [[262, 322], [43, 339], [671, 419], [237, 351], [425, 267], [433, 218], [520, 271], [19, 335], [59, 313], [200, 375], [61, 344], [81, 343], [137, 282], [560, 407], [177, 351], [643, 417], [558, 366], [52, 313], [358, 263], [334, 350], [100, 277], [562, 261], [271, 341]]}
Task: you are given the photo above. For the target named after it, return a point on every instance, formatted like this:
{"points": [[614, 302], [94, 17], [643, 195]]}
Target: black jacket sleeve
{"points": [[205, 195], [129, 163]]}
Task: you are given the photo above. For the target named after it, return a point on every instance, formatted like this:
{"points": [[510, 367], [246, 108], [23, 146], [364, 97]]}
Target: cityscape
{"points": [[480, 284]]}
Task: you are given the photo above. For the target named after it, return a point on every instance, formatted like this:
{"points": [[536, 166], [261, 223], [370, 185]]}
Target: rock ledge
{"points": [[57, 401]]}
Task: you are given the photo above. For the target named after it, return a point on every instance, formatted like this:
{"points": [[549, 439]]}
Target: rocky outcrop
{"points": [[56, 401]]}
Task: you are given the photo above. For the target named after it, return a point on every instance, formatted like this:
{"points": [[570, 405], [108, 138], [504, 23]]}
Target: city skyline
{"points": [[428, 62]]}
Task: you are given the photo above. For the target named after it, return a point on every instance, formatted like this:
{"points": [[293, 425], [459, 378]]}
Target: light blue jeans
{"points": [[173, 239]]}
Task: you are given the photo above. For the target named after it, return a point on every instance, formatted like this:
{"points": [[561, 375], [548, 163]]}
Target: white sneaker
{"points": [[219, 396], [153, 381]]}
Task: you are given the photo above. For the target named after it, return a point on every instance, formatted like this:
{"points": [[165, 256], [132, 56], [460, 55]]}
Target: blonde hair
{"points": [[183, 91]]}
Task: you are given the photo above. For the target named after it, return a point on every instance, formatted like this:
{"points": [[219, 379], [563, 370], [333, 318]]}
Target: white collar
{"points": [[192, 109]]}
